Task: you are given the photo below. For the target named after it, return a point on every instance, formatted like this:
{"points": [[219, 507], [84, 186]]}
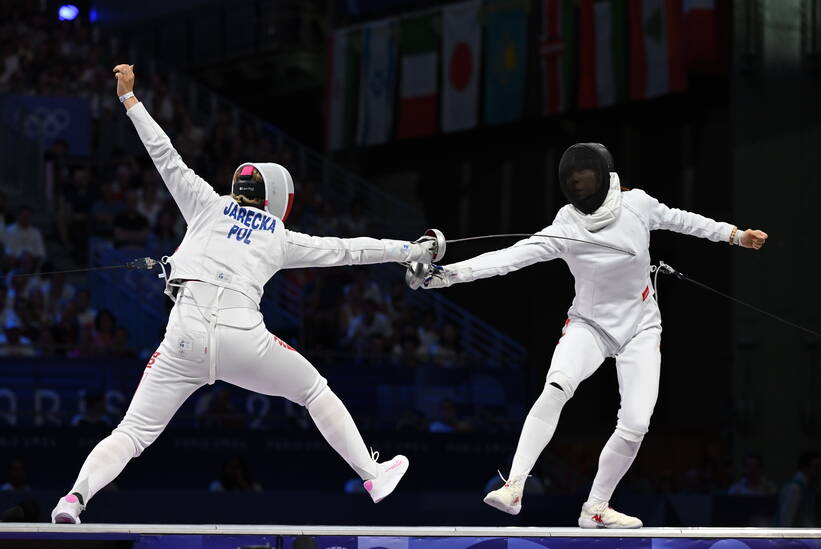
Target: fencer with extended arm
{"points": [[506, 260], [288, 249], [233, 245], [613, 314]]}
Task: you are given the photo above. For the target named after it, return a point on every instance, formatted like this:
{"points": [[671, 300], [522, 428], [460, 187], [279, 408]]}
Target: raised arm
{"points": [[681, 221], [190, 192], [497, 263], [302, 250]]}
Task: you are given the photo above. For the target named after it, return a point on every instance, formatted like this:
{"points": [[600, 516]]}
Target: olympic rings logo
{"points": [[44, 123]]}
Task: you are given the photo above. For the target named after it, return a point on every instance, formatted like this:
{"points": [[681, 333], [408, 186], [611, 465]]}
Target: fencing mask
{"points": [[266, 181], [584, 175]]}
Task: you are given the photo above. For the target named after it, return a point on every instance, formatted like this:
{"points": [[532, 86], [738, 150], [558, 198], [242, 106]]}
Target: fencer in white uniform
{"points": [[232, 247], [613, 313]]}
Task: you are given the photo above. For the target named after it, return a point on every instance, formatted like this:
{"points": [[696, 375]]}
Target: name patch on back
{"points": [[248, 220]]}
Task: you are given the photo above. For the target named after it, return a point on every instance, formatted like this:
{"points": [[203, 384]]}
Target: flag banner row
{"points": [[471, 63]]}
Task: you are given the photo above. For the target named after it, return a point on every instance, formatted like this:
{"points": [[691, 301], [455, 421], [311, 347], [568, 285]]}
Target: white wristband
{"points": [[125, 96], [737, 239]]}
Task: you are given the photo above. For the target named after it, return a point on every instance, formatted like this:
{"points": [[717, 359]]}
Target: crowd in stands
{"points": [[48, 314]]}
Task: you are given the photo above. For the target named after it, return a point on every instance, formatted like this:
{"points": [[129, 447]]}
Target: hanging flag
{"points": [[603, 48], [377, 83], [419, 77], [558, 55], [461, 45], [702, 52], [656, 64], [505, 60], [342, 85]]}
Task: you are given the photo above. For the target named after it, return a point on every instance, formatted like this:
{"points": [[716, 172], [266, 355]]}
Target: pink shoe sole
{"points": [[65, 518]]}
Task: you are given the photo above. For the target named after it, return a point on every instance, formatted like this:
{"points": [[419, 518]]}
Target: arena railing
{"points": [[481, 340]]}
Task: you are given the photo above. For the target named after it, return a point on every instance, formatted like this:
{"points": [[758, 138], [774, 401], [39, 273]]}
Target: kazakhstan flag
{"points": [[505, 60]]}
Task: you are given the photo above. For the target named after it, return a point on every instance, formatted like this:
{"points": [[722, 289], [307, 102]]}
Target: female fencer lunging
{"points": [[613, 314], [233, 245]]}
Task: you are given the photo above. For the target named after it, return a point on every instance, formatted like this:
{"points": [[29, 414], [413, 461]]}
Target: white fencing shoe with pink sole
{"points": [[68, 510], [390, 473]]}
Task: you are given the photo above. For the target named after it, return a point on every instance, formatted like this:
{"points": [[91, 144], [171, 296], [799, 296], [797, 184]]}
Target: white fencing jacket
{"points": [[241, 248], [612, 288]]}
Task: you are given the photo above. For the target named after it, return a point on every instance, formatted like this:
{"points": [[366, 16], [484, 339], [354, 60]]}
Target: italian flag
{"points": [[603, 52], [656, 64], [418, 81]]}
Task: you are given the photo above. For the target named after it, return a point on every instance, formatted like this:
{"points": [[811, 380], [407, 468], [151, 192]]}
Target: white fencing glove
{"points": [[427, 276]]}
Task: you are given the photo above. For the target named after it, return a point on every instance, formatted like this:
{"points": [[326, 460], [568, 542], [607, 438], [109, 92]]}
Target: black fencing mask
{"points": [[584, 175]]}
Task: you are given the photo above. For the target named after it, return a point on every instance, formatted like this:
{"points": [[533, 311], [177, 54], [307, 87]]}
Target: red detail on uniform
{"points": [[247, 170], [150, 363], [288, 208], [645, 293], [566, 324], [597, 518], [282, 343]]}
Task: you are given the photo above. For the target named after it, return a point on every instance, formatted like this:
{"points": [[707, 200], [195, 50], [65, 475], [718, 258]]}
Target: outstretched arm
{"points": [[302, 250], [497, 263], [190, 192], [681, 221]]}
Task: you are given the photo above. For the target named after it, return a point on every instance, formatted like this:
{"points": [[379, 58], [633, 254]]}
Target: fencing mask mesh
{"points": [[584, 175]]}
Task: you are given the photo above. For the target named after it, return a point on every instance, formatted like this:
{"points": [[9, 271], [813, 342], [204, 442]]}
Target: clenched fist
{"points": [[752, 238], [125, 78]]}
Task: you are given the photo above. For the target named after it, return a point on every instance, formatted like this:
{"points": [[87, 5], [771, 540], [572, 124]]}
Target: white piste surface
{"points": [[410, 531]]}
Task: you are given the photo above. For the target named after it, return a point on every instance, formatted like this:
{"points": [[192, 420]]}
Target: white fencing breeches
{"points": [[580, 352], [218, 334]]}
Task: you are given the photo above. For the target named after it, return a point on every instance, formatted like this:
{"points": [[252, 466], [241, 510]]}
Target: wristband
{"points": [[125, 96]]}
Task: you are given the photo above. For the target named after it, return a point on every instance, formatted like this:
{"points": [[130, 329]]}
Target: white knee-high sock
{"points": [[103, 464], [616, 457], [538, 429], [337, 426]]}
